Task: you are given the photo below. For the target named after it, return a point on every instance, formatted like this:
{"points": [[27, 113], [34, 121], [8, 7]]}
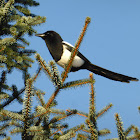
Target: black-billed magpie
{"points": [[61, 52]]}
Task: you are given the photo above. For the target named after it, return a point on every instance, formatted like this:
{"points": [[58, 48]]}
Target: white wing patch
{"points": [[64, 42], [77, 62]]}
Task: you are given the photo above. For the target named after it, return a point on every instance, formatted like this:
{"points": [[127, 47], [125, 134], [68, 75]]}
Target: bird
{"points": [[60, 51]]}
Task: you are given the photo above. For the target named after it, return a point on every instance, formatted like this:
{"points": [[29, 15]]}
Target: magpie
{"points": [[61, 52]]}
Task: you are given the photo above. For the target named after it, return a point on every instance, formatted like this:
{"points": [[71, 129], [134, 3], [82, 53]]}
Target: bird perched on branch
{"points": [[61, 52]]}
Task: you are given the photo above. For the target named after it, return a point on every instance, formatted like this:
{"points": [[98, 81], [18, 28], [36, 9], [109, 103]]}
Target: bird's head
{"points": [[50, 36]]}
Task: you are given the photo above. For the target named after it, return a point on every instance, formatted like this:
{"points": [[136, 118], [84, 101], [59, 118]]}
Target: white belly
{"points": [[77, 62]]}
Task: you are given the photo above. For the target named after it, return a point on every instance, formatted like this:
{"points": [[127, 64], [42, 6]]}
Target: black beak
{"points": [[40, 35]]}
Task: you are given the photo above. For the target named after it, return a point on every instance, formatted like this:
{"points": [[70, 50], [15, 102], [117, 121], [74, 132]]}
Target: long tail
{"points": [[109, 74]]}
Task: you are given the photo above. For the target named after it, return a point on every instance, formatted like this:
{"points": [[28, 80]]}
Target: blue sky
{"points": [[111, 41]]}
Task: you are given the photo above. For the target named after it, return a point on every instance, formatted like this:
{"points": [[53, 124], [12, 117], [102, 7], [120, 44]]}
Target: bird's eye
{"points": [[50, 34], [47, 33]]}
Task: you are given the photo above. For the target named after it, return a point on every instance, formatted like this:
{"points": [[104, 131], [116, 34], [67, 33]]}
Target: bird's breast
{"points": [[77, 62]]}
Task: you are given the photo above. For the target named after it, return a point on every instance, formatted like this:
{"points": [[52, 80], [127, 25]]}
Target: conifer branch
{"points": [[75, 129], [129, 129], [93, 131], [37, 20], [75, 50], [40, 112], [2, 48], [136, 133], [12, 56], [3, 96], [76, 83], [56, 78], [36, 75], [100, 113], [21, 47], [59, 130], [22, 9], [9, 124], [43, 65], [120, 129], [68, 135], [92, 96], [17, 130], [52, 73], [82, 136], [92, 112], [57, 111], [52, 98], [11, 115], [79, 113], [7, 41], [6, 9], [86, 130], [61, 117], [104, 132], [12, 98], [58, 126], [27, 106], [40, 97]]}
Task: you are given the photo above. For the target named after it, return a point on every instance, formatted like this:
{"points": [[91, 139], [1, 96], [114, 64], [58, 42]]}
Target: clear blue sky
{"points": [[112, 41]]}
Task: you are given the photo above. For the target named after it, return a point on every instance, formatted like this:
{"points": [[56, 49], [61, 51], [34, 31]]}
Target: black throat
{"points": [[54, 44]]}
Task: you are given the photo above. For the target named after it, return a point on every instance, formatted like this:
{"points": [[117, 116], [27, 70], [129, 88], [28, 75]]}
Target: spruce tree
{"points": [[15, 22]]}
